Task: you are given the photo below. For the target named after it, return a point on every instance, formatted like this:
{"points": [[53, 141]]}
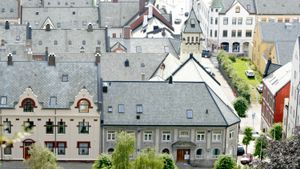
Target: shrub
{"points": [[168, 161], [225, 161], [241, 105], [232, 58], [103, 162]]}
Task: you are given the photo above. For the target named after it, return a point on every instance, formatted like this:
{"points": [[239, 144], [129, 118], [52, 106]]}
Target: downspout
{"points": [[298, 95]]}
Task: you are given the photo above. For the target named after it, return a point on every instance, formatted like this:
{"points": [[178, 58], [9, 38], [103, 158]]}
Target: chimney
{"points": [[28, 31], [171, 80], [51, 60], [97, 58], [145, 21], [126, 32], [267, 67], [141, 6], [9, 59], [48, 28], [126, 63], [150, 11], [191, 55], [46, 53], [107, 47], [6, 25], [90, 28]]}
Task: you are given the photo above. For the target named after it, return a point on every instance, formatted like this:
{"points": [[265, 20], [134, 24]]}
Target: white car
{"points": [[250, 73]]}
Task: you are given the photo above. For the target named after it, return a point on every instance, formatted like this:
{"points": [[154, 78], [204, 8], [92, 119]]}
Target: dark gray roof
{"points": [[63, 36], [272, 68], [166, 104], [113, 65], [58, 3], [117, 14], [279, 7], [149, 45], [68, 18], [248, 5], [217, 4], [283, 31], [8, 9], [192, 20], [284, 50], [46, 81]]}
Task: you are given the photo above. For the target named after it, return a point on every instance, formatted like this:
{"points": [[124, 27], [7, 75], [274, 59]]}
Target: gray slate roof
{"points": [[284, 50], [113, 65], [192, 20], [69, 18], [76, 36], [8, 9], [117, 14], [278, 7], [45, 81], [249, 5], [57, 3], [166, 104], [149, 45]]}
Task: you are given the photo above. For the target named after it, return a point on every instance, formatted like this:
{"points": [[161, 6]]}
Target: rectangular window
{"points": [[231, 134], [148, 135], [61, 127], [184, 133], [286, 20], [139, 108], [50, 145], [233, 33], [224, 33], [211, 20], [64, 78], [111, 135], [166, 49], [216, 33], [3, 100], [83, 148], [109, 109], [7, 149], [53, 101], [239, 33], [166, 136], [233, 21], [114, 35], [249, 21], [83, 127], [248, 33], [189, 114], [240, 21], [225, 21], [121, 108], [200, 136], [216, 21], [49, 127], [61, 148], [216, 136], [7, 126], [210, 33]]}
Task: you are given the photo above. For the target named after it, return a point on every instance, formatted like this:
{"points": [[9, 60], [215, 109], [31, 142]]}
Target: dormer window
{"points": [[237, 9], [84, 106], [126, 63], [3, 100], [193, 23], [121, 108], [139, 108], [65, 78], [28, 105], [189, 114], [53, 101]]}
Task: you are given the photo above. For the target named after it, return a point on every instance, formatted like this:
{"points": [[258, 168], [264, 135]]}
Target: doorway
{"points": [[181, 153], [26, 147]]}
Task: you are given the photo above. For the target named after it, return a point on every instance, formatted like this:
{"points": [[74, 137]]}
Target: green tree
{"points": [[241, 105], [169, 162], [276, 131], [41, 158], [247, 137], [123, 149], [225, 162], [148, 159], [103, 162], [261, 144]]}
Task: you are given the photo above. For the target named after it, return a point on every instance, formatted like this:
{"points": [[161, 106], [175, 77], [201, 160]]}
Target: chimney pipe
{"points": [[51, 60], [6, 25], [90, 28], [126, 32], [97, 58], [28, 31], [107, 47], [171, 80], [142, 4], [9, 59]]}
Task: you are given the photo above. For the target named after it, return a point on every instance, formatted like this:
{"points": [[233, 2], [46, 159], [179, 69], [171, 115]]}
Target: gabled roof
{"points": [[166, 104], [46, 81], [248, 5], [278, 7], [156, 14], [118, 45], [279, 78], [192, 24], [48, 21], [284, 51]]}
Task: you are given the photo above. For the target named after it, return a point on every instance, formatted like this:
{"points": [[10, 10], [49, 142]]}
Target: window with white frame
{"points": [[83, 148], [217, 136], [189, 114], [166, 136], [50, 145], [139, 108], [200, 136], [231, 134], [249, 21], [148, 135], [109, 109], [234, 21], [225, 21], [121, 108], [184, 133], [240, 21], [61, 148], [111, 135]]}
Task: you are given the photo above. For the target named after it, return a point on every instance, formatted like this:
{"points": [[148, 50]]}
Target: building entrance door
{"points": [[181, 153], [26, 147]]}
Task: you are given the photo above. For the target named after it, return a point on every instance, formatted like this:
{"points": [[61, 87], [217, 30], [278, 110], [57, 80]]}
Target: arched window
{"points": [[84, 106], [216, 153], [28, 105], [166, 151], [237, 9], [199, 153], [110, 150]]}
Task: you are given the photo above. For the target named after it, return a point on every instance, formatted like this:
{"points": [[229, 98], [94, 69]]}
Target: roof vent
{"points": [[138, 117], [9, 59], [126, 63], [90, 28], [104, 88], [6, 25]]}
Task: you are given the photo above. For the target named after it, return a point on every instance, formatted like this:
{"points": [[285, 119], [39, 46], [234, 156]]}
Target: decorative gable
{"points": [[49, 22]]}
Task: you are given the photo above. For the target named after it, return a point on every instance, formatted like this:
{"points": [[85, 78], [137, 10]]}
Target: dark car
{"points": [[206, 53], [240, 150]]}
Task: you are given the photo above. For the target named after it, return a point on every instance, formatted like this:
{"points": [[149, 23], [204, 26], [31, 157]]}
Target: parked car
{"points": [[260, 88], [240, 150], [206, 53], [177, 21], [246, 159], [255, 134], [250, 73]]}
